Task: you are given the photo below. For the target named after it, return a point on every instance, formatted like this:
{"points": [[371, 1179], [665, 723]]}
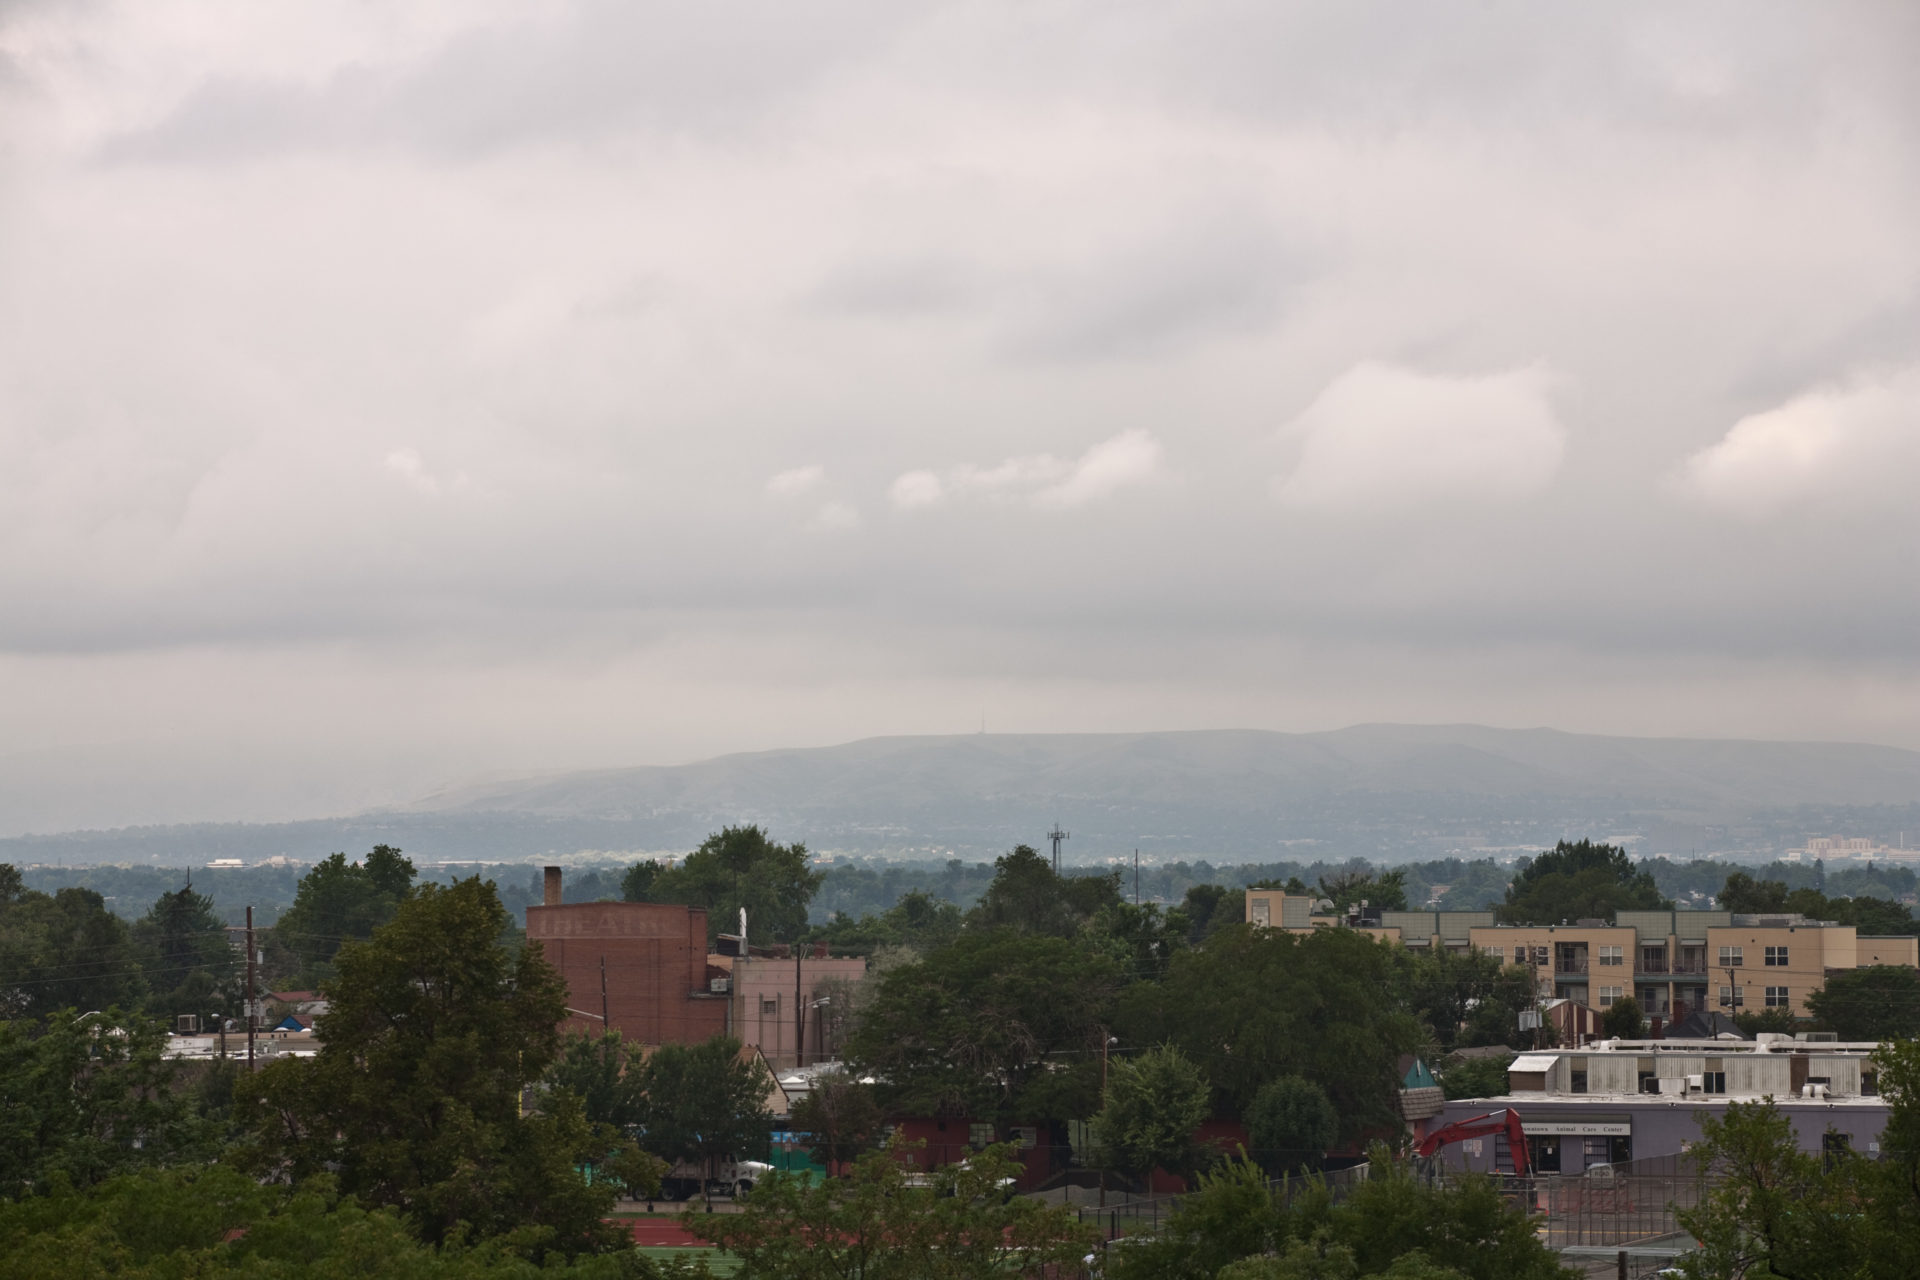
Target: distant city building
{"points": [[1851, 849], [1674, 963], [1625, 1100]]}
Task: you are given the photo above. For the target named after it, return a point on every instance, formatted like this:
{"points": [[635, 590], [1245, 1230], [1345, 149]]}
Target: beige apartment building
{"points": [[1674, 963]]}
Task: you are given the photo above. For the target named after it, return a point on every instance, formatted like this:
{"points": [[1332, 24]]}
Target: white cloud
{"points": [[796, 481], [916, 489], [1129, 458], [1381, 435], [411, 467], [1856, 441], [835, 515]]}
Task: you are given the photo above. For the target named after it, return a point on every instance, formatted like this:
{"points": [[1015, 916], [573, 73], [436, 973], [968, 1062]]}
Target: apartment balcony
{"points": [[1696, 968], [1570, 964]]}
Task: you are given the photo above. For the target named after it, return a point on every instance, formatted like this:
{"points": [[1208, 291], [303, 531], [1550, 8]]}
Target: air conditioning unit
{"points": [[1696, 1084], [1819, 1037], [720, 986], [187, 1024]]}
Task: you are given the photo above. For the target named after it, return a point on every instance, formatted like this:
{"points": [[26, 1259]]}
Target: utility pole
{"points": [[1057, 835], [605, 1025], [799, 1014], [248, 1010]]}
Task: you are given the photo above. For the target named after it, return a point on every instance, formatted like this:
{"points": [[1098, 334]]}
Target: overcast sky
{"points": [[394, 394]]}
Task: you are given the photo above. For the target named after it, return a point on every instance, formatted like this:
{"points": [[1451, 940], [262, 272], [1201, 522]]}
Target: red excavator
{"points": [[1505, 1121]]}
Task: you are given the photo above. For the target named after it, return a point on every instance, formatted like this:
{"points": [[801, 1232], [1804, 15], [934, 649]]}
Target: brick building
{"points": [[640, 965]]}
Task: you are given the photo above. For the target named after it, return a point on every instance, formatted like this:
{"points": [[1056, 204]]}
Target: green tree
{"points": [[740, 867], [189, 964], [63, 951], [702, 1103], [1027, 895], [1466, 998], [597, 1069], [337, 902], [1578, 881], [1291, 1123], [1771, 1209], [1229, 1215], [1474, 1077], [1000, 1025], [1210, 908], [919, 921], [1155, 1105], [1390, 1224], [1875, 1002], [885, 1223], [1254, 1004], [84, 1097], [1892, 1182], [840, 1117], [213, 1220], [433, 1031], [1142, 940], [636, 885], [1382, 891], [1622, 1020]]}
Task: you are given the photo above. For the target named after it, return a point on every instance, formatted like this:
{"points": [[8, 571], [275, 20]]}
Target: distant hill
{"points": [[1379, 791]]}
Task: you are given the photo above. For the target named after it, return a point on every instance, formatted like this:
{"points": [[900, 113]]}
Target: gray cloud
{"points": [[461, 376]]}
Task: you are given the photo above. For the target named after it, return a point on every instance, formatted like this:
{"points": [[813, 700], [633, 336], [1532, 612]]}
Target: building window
{"points": [[1777, 998], [1653, 959], [1262, 911], [1713, 1082], [980, 1135], [1540, 956], [1611, 995], [1730, 957], [770, 1008], [1777, 957], [1733, 997], [1610, 955], [1576, 1081], [1519, 955]]}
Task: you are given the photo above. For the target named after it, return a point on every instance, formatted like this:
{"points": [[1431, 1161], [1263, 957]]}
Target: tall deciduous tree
{"points": [[85, 1097], [1254, 1004], [841, 1117], [1026, 894], [703, 1103], [1578, 881], [1292, 1123], [414, 1100], [734, 868], [338, 902], [1154, 1107], [63, 951], [1000, 1025], [1875, 1002]]}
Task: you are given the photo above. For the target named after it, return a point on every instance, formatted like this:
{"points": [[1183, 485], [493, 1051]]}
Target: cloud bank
{"points": [[549, 386]]}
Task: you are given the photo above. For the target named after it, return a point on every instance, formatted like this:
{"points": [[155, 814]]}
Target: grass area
{"points": [[721, 1264]]}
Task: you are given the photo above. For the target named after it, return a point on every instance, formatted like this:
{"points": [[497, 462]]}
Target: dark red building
{"points": [[640, 965]]}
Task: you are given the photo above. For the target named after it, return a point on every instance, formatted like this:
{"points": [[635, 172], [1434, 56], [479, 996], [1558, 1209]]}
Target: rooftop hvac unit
{"points": [[187, 1024], [1821, 1037], [1696, 1084]]}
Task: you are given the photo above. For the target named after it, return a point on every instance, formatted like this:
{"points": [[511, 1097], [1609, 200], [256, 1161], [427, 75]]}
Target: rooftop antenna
{"points": [[743, 931], [1057, 835]]}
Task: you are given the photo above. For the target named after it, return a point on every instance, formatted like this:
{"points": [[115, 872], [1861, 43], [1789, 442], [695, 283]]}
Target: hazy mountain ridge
{"points": [[1388, 792]]}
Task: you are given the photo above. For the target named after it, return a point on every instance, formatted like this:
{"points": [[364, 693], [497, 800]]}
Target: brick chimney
{"points": [[552, 898]]}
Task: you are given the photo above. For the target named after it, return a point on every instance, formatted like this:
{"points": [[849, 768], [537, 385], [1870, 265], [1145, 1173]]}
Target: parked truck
{"points": [[731, 1178]]}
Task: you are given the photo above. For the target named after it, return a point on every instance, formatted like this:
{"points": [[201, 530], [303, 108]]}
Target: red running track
{"points": [[664, 1233]]}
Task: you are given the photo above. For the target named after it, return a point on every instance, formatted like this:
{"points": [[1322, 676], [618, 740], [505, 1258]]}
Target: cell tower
{"points": [[1057, 835]]}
